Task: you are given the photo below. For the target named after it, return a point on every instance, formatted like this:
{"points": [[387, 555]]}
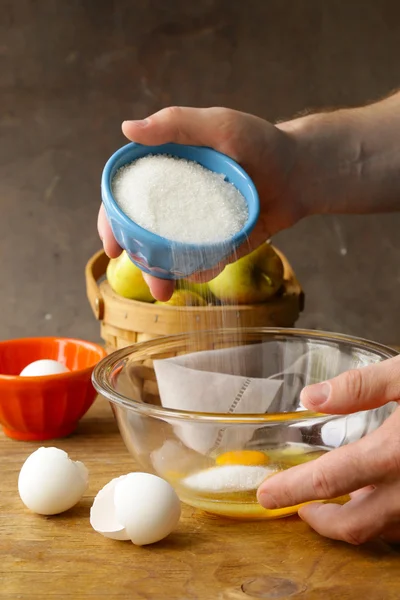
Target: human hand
{"points": [[265, 151], [368, 470]]}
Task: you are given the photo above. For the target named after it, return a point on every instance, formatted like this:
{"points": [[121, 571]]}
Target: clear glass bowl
{"points": [[215, 413]]}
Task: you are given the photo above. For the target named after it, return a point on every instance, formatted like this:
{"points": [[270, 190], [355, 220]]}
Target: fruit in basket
{"points": [[202, 289], [184, 298], [126, 279], [250, 280]]}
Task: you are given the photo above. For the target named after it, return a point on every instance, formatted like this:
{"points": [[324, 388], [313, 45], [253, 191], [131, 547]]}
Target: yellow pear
{"points": [[202, 289], [184, 298], [250, 280], [126, 279]]}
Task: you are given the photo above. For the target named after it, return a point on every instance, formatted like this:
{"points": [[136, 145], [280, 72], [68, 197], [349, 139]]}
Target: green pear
{"points": [[184, 298], [250, 280], [126, 279]]}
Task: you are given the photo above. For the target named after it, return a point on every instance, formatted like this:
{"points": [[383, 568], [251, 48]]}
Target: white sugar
{"points": [[230, 478], [179, 200]]}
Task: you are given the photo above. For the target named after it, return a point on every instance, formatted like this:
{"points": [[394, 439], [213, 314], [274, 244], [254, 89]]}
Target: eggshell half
{"points": [[147, 506], [102, 514], [50, 482]]}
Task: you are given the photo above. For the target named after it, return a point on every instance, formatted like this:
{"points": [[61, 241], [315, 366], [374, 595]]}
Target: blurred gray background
{"points": [[70, 72]]}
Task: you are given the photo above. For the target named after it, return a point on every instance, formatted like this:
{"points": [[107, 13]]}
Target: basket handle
{"points": [[95, 269]]}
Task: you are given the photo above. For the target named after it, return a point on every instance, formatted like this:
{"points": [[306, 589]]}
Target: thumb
{"points": [[219, 128], [355, 390]]}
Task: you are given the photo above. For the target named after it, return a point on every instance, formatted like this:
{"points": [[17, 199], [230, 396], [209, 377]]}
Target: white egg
{"points": [[39, 368], [141, 507], [50, 482]]}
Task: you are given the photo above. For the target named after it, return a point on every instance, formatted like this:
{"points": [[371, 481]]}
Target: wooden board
{"points": [[206, 559]]}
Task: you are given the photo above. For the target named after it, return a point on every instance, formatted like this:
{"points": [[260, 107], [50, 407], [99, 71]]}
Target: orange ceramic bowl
{"points": [[47, 407]]}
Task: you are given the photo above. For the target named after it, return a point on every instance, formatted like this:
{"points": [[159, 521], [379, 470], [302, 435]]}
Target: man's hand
{"points": [[264, 151], [368, 470], [347, 161]]}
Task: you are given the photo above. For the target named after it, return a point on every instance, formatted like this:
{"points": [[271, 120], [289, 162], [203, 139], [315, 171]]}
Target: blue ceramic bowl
{"points": [[155, 254]]}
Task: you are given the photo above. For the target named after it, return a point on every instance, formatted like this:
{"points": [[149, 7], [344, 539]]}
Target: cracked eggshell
{"points": [[147, 506], [102, 514], [50, 482]]}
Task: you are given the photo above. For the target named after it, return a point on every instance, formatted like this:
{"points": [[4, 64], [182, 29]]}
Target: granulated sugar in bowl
{"points": [[177, 209], [179, 200]]}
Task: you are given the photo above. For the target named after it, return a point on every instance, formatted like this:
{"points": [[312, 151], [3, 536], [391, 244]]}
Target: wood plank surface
{"points": [[207, 558]]}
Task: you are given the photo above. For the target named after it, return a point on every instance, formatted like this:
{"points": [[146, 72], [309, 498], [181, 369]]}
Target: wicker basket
{"points": [[125, 322]]}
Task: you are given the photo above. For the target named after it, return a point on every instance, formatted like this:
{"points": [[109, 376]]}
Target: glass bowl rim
{"points": [[101, 382]]}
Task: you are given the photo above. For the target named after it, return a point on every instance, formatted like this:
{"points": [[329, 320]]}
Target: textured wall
{"points": [[71, 71]]}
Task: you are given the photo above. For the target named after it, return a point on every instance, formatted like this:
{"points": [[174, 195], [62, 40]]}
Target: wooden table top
{"points": [[206, 559]]}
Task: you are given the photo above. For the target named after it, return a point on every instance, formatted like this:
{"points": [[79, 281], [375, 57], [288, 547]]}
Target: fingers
{"points": [[359, 389], [373, 460], [161, 289], [110, 245], [334, 474], [212, 127], [365, 490], [362, 519]]}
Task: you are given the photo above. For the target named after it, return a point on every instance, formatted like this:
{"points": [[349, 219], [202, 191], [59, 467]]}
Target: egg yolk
{"points": [[242, 457]]}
